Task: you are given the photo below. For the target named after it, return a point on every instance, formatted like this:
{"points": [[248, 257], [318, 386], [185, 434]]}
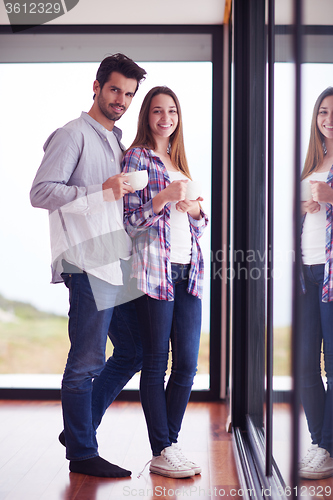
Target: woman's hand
{"points": [[321, 192], [311, 207], [175, 191], [190, 206]]}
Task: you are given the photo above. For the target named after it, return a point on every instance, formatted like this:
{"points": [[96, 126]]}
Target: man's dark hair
{"points": [[123, 65]]}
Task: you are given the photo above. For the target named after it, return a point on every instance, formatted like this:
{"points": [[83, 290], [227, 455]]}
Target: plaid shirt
{"points": [[327, 295], [327, 292], [151, 232]]}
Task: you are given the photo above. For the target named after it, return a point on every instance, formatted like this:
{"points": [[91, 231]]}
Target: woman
{"points": [[317, 307], [168, 267]]}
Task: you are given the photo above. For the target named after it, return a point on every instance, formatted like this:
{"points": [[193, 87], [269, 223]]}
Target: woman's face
{"points": [[325, 117], [163, 116]]}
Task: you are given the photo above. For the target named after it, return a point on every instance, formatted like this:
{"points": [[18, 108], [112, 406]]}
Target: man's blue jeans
{"points": [[89, 383], [317, 327], [161, 321]]}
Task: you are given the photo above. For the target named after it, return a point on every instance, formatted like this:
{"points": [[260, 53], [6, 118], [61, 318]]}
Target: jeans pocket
{"points": [[67, 277]]}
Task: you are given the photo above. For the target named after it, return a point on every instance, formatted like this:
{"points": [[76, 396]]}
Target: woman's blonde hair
{"points": [[144, 138], [315, 154]]}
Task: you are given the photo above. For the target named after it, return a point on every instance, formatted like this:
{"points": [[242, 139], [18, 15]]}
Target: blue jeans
{"points": [[161, 321], [89, 383], [317, 327]]}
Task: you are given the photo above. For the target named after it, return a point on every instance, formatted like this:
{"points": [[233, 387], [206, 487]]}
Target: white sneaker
{"points": [[308, 457], [184, 460], [320, 467], [168, 464]]}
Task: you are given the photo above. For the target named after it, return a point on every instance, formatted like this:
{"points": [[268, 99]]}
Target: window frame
{"points": [[216, 33]]}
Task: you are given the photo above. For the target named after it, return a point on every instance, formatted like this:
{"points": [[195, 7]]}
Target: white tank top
{"points": [[314, 229], [181, 241]]}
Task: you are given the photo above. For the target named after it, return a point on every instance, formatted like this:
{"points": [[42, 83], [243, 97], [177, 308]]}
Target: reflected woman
{"points": [[317, 305], [168, 266]]}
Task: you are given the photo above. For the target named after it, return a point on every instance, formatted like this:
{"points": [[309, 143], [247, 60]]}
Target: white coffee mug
{"points": [[137, 179], [193, 190], [306, 193]]}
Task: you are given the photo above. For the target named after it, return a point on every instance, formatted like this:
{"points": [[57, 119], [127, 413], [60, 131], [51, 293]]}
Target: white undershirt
{"points": [[118, 157], [181, 241], [314, 229], [118, 154]]}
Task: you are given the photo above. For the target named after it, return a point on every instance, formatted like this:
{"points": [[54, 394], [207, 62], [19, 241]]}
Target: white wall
{"points": [[139, 12]]}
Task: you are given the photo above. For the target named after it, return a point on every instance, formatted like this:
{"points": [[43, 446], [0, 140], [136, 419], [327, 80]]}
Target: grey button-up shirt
{"points": [[85, 230]]}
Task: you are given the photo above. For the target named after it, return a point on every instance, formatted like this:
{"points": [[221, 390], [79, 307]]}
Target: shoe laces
{"points": [[179, 454], [140, 473], [309, 455], [319, 459], [172, 457], [169, 455]]}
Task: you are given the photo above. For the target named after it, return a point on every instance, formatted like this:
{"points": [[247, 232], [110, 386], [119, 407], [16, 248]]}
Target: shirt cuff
{"points": [[199, 222]]}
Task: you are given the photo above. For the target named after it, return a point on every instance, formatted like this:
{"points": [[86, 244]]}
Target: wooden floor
{"points": [[33, 464]]}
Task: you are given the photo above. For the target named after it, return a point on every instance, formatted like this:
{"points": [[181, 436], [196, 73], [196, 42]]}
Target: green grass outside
{"points": [[37, 342], [282, 351]]}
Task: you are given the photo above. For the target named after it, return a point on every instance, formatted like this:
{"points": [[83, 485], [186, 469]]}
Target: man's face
{"points": [[115, 96]]}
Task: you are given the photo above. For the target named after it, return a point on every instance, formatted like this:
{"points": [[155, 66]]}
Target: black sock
{"points": [[99, 467], [61, 438]]}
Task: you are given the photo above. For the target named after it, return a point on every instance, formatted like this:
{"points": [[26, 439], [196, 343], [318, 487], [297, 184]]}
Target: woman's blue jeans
{"points": [[317, 330], [162, 322], [89, 383]]}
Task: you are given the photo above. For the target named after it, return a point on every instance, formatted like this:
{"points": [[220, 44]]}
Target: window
{"points": [[53, 93]]}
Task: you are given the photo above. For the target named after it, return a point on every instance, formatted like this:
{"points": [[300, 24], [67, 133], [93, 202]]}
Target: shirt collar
{"points": [[99, 128], [330, 175]]}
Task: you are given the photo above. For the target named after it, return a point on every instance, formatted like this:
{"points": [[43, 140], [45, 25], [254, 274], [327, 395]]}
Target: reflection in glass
{"points": [[315, 77], [317, 299]]}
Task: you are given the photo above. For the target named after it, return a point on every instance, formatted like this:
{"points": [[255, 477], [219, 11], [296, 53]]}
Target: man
{"points": [[80, 182]]}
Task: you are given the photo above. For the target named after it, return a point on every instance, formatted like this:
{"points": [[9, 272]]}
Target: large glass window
{"points": [[269, 436], [43, 97]]}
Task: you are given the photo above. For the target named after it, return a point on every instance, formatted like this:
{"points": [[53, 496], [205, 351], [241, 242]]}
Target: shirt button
{"points": [[112, 159]]}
